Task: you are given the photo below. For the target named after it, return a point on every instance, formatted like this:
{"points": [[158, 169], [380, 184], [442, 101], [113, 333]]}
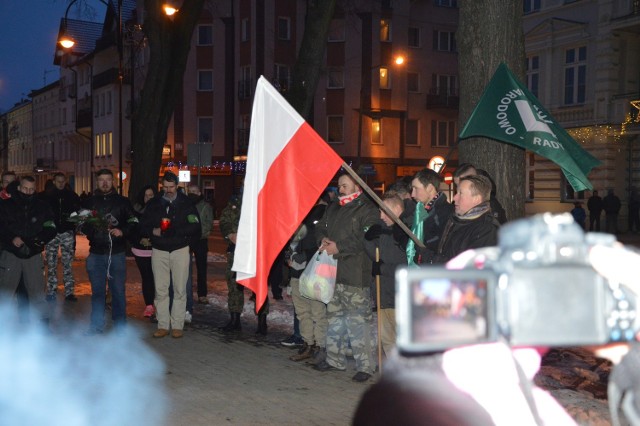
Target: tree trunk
{"points": [[306, 71], [169, 44], [490, 32]]}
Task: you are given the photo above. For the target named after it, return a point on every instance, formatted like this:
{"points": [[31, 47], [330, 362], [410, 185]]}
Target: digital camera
{"points": [[536, 288]]}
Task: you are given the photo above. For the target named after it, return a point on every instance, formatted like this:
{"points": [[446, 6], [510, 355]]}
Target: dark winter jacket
{"points": [[63, 203], [229, 220], [117, 211], [185, 222], [29, 218], [611, 204], [463, 234], [392, 242], [346, 226], [595, 205], [307, 246]]}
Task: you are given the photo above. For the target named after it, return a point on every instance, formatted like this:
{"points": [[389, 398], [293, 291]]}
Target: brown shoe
{"points": [[305, 352], [176, 334], [161, 332]]}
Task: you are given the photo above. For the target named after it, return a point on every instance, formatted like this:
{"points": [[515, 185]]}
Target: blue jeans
{"points": [[97, 271]]}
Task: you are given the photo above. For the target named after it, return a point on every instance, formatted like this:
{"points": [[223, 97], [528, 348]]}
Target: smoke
{"points": [[71, 379]]}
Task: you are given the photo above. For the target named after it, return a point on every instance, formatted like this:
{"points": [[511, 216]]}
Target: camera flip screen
{"points": [[449, 310]]}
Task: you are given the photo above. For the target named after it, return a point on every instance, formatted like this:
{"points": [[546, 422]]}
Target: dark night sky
{"points": [[28, 32]]}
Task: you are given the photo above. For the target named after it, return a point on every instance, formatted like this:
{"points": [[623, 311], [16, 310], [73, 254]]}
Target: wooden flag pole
{"points": [[378, 311]]}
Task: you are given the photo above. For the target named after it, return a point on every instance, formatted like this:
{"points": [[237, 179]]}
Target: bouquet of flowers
{"points": [[85, 216]]}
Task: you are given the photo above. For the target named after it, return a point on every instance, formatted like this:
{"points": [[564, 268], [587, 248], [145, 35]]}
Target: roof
{"points": [[84, 33]]}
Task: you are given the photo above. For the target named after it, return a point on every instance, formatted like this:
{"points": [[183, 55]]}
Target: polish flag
{"points": [[288, 167]]}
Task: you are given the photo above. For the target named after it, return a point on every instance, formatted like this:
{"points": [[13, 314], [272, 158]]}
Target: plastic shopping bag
{"points": [[318, 280]]}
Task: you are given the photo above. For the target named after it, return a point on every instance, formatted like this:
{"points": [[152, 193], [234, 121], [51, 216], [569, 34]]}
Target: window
{"points": [[376, 131], [64, 116], [205, 35], [336, 30], [205, 129], [335, 129], [103, 142], [569, 194], [97, 147], [284, 28], [244, 85], [575, 75], [385, 30], [414, 37], [244, 29], [412, 133], [385, 79], [205, 80], [447, 3], [335, 78], [443, 133], [445, 85], [110, 143], [531, 6], [282, 77], [444, 41], [533, 66], [413, 82], [109, 102], [102, 109]]}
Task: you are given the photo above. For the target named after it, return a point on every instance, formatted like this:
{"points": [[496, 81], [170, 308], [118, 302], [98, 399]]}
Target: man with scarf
{"points": [[340, 233], [473, 225], [26, 226], [432, 211], [107, 231]]}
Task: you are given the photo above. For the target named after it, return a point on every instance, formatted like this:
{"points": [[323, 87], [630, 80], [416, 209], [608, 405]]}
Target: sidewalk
{"points": [[215, 378]]}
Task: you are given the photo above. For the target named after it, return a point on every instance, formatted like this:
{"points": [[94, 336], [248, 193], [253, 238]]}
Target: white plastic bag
{"points": [[318, 281]]}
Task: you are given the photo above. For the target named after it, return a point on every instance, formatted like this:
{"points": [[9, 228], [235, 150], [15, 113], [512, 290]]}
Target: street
{"points": [[215, 378]]}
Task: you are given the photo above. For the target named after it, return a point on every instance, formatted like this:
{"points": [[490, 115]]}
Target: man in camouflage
{"points": [[229, 220], [340, 233], [63, 202]]}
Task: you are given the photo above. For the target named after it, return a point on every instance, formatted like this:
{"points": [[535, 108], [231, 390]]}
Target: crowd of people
{"points": [[165, 227]]}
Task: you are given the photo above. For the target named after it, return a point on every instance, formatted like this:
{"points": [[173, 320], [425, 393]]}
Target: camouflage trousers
{"points": [[66, 243], [235, 297], [349, 317]]}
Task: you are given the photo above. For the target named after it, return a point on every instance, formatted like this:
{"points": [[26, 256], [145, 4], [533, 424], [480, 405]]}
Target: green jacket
{"points": [[346, 226], [206, 217], [229, 220]]}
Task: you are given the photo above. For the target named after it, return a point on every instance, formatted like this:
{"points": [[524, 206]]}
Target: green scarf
{"points": [[418, 230]]}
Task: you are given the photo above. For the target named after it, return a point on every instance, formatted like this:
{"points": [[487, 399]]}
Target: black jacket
{"points": [[464, 234], [63, 203], [115, 209], [29, 218], [185, 222]]}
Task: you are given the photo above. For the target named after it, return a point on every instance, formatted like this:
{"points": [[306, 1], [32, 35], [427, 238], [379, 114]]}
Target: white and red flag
{"points": [[288, 167]]}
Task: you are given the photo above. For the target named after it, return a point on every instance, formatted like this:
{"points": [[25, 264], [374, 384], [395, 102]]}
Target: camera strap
{"points": [[624, 388]]}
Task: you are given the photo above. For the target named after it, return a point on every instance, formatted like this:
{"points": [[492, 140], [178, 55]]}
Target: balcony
{"points": [[442, 98]]}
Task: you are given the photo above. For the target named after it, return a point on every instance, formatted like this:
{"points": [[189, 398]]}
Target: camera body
{"points": [[536, 288]]}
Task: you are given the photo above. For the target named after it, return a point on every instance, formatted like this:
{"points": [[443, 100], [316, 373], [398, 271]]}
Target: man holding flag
{"points": [[340, 233]]}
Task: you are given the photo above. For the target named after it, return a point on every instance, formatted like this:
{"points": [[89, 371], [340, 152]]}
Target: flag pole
{"points": [[382, 205], [378, 312]]}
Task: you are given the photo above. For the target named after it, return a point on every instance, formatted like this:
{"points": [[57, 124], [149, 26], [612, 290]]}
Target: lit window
{"points": [[385, 80], [385, 30], [376, 131]]}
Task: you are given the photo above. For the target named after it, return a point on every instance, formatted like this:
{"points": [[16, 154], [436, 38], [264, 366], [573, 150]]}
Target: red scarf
{"points": [[346, 199]]}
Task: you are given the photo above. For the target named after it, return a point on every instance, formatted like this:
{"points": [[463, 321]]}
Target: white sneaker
{"points": [[188, 317]]}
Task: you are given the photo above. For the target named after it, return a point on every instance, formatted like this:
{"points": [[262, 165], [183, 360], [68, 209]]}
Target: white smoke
{"points": [[71, 379]]}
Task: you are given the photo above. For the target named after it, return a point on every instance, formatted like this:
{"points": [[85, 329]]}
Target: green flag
{"points": [[509, 113]]}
